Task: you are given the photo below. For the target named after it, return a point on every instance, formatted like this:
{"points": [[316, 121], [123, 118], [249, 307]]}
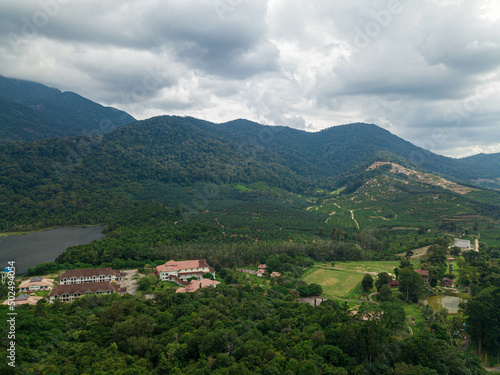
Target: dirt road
{"points": [[128, 282]]}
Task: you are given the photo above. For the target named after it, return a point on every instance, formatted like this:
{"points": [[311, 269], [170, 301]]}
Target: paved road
{"points": [[128, 282]]}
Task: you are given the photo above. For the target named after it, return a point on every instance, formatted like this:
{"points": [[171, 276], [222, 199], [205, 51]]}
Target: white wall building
{"points": [[184, 270]]}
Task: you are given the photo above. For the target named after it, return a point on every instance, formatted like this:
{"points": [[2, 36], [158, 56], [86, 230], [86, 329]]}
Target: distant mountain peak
{"points": [[31, 110]]}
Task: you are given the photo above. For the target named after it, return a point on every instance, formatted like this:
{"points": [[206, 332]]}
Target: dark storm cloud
{"points": [[427, 70]]}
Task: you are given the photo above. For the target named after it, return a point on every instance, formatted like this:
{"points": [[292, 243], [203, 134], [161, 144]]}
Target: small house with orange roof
{"points": [[23, 299], [194, 285]]}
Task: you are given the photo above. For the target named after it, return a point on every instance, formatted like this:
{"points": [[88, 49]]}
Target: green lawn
{"points": [[335, 282], [344, 279], [367, 266]]}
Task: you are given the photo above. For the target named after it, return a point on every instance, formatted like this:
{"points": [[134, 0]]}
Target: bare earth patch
{"points": [[424, 177]]}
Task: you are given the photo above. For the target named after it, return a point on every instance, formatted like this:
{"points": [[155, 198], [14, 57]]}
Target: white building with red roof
{"points": [[35, 284], [69, 292], [184, 270], [90, 275]]}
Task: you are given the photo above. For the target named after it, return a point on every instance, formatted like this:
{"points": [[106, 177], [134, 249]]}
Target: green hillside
{"points": [[30, 111], [196, 166]]}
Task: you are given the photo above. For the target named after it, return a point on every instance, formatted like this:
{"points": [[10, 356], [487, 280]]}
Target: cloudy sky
{"points": [[426, 70]]}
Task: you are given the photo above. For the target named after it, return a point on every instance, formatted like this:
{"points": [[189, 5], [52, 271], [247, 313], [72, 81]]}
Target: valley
{"points": [[323, 213]]}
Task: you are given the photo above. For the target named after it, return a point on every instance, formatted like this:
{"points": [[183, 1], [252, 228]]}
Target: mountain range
{"points": [[30, 111], [193, 164]]}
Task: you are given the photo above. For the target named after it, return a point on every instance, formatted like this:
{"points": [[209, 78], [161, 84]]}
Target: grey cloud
{"points": [[291, 62]]}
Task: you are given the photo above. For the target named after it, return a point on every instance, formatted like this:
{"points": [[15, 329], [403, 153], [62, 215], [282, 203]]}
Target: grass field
{"points": [[335, 282], [344, 280], [367, 266]]}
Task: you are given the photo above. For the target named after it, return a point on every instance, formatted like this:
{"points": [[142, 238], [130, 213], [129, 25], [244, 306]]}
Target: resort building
{"points": [[90, 275], [68, 293], [194, 285], [36, 284], [24, 299], [183, 270]]}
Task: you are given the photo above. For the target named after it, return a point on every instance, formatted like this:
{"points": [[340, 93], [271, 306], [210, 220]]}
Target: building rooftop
{"points": [[422, 272], [24, 299], [39, 281], [173, 265], [89, 272], [85, 287], [194, 285]]}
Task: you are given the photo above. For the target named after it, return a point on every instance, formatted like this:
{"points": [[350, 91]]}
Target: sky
{"points": [[426, 70]]}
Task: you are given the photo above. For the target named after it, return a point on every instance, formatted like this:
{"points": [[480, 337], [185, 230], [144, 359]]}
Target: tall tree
{"points": [[382, 279], [483, 318], [367, 282], [385, 293], [410, 284]]}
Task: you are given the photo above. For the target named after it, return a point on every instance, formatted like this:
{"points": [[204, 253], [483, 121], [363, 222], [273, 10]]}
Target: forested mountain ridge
{"points": [[30, 111], [85, 179], [339, 148]]}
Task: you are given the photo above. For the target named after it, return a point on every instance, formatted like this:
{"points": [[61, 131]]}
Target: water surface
{"points": [[450, 303], [41, 247]]}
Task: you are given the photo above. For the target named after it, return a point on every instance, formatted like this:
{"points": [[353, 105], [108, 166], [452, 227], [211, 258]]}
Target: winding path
{"points": [[352, 216], [370, 298]]}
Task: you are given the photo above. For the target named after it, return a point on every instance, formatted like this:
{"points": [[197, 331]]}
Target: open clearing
{"points": [[344, 280], [335, 282], [364, 266]]}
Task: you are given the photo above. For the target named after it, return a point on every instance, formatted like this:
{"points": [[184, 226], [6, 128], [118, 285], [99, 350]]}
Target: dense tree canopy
{"points": [[483, 318], [227, 330]]}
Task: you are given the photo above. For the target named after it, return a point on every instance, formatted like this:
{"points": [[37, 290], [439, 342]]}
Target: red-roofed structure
{"points": [[393, 283], [194, 285], [35, 284], [422, 272], [23, 299], [447, 282], [90, 275], [68, 293], [184, 270]]}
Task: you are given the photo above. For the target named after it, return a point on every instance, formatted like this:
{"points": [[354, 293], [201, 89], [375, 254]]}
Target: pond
{"points": [[42, 247], [450, 303]]}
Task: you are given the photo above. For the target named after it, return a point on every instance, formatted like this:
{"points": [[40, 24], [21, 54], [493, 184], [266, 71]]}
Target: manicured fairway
{"points": [[335, 282]]}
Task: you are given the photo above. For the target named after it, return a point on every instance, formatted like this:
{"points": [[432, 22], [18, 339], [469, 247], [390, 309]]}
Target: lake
{"points": [[450, 303], [42, 247]]}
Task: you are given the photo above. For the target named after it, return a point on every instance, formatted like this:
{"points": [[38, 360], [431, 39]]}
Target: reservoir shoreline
{"points": [[44, 246]]}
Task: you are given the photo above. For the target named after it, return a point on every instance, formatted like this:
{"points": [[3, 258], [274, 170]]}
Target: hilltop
{"points": [[213, 171], [426, 178], [31, 111]]}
